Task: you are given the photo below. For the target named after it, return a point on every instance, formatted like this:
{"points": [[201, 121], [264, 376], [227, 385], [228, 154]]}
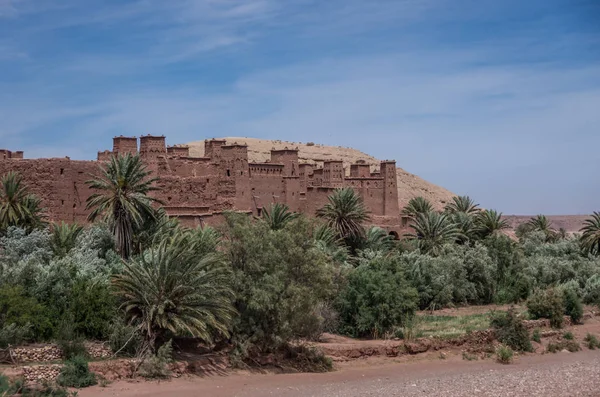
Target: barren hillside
{"points": [[409, 185]]}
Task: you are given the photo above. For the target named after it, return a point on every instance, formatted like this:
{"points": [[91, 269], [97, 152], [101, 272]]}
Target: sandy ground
{"points": [[562, 374]]}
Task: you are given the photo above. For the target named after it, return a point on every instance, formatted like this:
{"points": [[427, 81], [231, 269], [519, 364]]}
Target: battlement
{"points": [[179, 151], [7, 154], [125, 144]]}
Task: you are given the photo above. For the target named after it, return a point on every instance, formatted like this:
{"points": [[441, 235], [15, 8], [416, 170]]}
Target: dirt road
{"points": [[562, 374]]}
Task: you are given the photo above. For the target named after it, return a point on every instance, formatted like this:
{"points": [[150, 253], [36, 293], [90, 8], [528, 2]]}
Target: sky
{"points": [[499, 100]]}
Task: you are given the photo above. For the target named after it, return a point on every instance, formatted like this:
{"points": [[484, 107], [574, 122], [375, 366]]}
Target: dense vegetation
{"points": [[138, 279]]}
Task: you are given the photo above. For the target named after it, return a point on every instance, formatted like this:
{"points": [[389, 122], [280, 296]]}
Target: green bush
{"points": [[14, 335], [548, 304], [504, 354], [568, 335], [511, 331], [76, 373], [591, 341], [124, 339], [376, 299], [18, 387], [69, 342], [23, 311], [569, 345], [157, 366], [92, 306], [573, 306], [536, 336], [281, 278]]}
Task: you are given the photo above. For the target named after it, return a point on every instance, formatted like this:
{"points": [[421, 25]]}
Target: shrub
{"points": [[569, 345], [124, 339], [376, 299], [69, 343], [568, 335], [281, 278], [591, 341], [511, 331], [591, 291], [573, 306], [536, 336], [14, 335], [23, 311], [157, 366], [547, 304], [17, 387], [91, 305], [76, 373], [504, 354], [469, 356], [308, 359]]}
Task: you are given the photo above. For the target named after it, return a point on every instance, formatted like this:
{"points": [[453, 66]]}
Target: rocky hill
{"points": [[409, 185]]}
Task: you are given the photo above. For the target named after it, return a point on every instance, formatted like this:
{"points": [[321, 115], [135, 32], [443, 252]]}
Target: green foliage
{"points": [[432, 230], [345, 212], [590, 237], [376, 299], [536, 336], [278, 215], [490, 223], [504, 354], [417, 205], [569, 345], [573, 305], [124, 339], [280, 276], [541, 223], [22, 311], [462, 204], [511, 331], [14, 335], [76, 373], [568, 335], [591, 341], [548, 304], [71, 344], [591, 291], [17, 206], [121, 197], [64, 237], [177, 289], [459, 275], [157, 366], [18, 387]]}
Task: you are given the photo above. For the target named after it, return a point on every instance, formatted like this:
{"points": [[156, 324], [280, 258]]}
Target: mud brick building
{"points": [[198, 189]]}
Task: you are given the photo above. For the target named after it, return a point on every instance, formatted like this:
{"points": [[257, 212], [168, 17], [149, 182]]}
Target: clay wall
{"points": [[60, 183], [123, 145], [360, 170], [198, 190], [289, 159], [178, 151]]}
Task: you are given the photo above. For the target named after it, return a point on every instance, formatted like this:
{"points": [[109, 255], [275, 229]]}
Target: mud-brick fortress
{"points": [[198, 189]]}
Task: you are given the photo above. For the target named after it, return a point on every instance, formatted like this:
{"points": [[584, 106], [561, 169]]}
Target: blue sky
{"points": [[496, 99]]}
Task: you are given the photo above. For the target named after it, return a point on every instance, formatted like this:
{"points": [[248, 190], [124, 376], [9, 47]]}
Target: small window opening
{"points": [[62, 171], [228, 173]]}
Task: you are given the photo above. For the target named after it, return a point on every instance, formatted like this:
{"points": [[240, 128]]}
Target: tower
{"points": [[390, 188]]}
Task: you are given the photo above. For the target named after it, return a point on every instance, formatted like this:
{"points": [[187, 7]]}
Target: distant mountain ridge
{"points": [[409, 185]]}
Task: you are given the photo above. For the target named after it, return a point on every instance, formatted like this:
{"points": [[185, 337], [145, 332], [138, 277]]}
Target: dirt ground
{"points": [[433, 373], [562, 374]]}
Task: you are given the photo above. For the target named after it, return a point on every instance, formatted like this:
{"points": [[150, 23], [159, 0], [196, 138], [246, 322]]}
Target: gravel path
{"points": [[562, 374]]}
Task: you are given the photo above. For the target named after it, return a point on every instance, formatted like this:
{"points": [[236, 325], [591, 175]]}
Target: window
{"points": [[228, 173], [62, 171]]}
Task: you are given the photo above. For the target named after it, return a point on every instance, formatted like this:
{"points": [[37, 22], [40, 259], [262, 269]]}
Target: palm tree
{"points": [[542, 224], [345, 212], [590, 237], [377, 239], [490, 222], [432, 230], [17, 206], [278, 215], [64, 237], [122, 197], [462, 204], [466, 225], [171, 289], [416, 206]]}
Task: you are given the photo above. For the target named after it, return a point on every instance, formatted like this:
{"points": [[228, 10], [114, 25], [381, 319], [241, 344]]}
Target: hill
{"points": [[409, 185]]}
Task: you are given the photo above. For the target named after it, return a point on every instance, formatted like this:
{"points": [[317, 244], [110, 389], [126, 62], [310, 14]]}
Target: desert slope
{"points": [[409, 185]]}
